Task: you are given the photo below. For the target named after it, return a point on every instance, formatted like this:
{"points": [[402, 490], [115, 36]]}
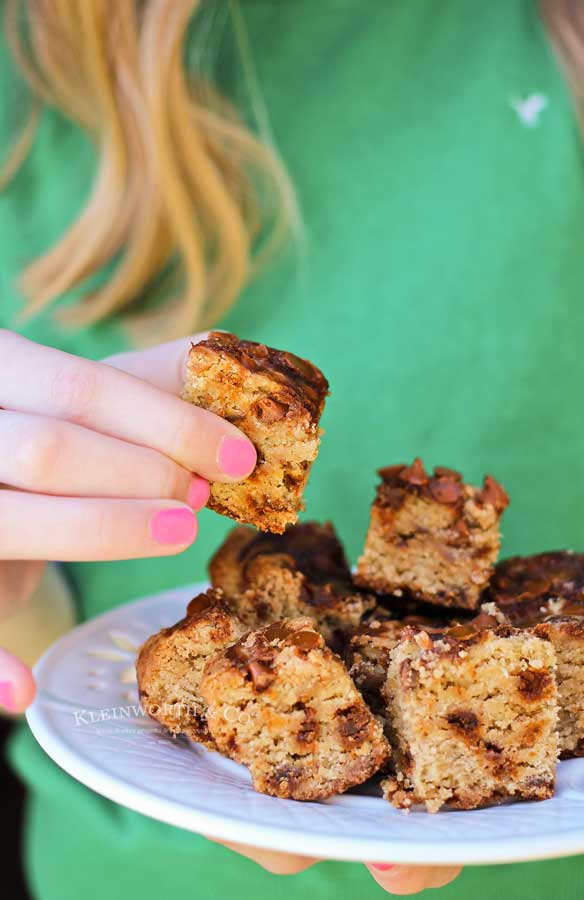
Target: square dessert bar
{"points": [[527, 588], [276, 399], [170, 665], [368, 646], [472, 717], [432, 535], [302, 572], [280, 702], [546, 592]]}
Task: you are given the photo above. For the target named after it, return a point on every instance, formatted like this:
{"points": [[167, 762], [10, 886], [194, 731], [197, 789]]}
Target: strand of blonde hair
{"points": [[182, 187]]}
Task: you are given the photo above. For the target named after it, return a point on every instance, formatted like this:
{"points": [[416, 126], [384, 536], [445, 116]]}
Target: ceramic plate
{"points": [[87, 717]]}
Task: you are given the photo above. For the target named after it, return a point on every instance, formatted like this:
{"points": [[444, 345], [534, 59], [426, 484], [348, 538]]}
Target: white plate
{"points": [[87, 718]]}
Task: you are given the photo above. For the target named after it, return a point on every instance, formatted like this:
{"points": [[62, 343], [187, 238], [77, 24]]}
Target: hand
{"points": [[398, 880], [100, 461]]}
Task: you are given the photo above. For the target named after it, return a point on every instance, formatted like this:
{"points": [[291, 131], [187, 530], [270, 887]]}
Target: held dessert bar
{"points": [[432, 535], [472, 718], [276, 399], [170, 665], [303, 572], [280, 702], [546, 592]]}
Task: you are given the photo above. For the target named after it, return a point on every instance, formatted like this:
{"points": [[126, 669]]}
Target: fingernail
{"points": [[173, 526], [198, 493], [7, 696], [237, 457], [382, 867]]}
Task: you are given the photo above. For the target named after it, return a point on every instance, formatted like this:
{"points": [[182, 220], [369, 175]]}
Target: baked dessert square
{"points": [[566, 633], [546, 591], [472, 716], [303, 572], [276, 399], [282, 703], [432, 535], [527, 588], [368, 646], [170, 665]]}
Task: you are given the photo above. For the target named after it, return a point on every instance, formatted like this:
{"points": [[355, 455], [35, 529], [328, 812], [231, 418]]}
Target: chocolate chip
{"points": [[443, 472], [408, 676], [414, 474], [534, 684], [352, 722], [462, 632], [463, 720], [201, 603], [261, 675], [278, 632], [269, 411], [388, 473], [300, 366], [305, 640], [494, 494], [445, 490]]}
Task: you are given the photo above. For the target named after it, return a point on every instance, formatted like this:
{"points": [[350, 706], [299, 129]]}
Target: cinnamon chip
{"points": [[494, 494], [414, 474], [446, 489], [269, 411], [305, 640], [261, 675]]}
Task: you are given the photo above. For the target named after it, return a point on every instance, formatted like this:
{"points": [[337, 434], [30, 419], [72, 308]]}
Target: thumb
{"points": [[405, 880], [17, 688]]}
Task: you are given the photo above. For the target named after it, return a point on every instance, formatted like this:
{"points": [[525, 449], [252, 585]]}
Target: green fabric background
{"points": [[441, 291]]}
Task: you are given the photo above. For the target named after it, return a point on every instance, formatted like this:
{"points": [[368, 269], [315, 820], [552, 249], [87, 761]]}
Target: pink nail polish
{"points": [[236, 457], [173, 526], [7, 696], [198, 493], [382, 867]]}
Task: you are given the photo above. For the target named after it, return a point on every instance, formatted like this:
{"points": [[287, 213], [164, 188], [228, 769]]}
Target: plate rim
{"points": [[273, 837]]}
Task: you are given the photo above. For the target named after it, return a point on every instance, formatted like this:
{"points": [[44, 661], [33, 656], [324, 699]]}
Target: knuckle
{"points": [[182, 435], [73, 390], [105, 531], [173, 482], [38, 447]]}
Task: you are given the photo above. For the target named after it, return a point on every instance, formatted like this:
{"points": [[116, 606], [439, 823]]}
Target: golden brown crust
{"points": [[276, 399], [297, 378]]}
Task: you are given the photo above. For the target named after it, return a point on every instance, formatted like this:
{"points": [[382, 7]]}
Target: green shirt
{"points": [[438, 162]]}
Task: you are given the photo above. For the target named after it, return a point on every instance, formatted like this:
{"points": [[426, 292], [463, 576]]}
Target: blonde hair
{"points": [[182, 187]]}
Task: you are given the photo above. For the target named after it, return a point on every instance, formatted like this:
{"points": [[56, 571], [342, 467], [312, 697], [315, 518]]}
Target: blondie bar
{"points": [[280, 702], [472, 716], [432, 535], [303, 572], [276, 399], [546, 592], [170, 665]]}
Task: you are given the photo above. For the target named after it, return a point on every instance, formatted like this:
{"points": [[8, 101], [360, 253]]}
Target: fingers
{"points": [[164, 366], [18, 581], [36, 526], [405, 880], [17, 687], [51, 456], [114, 403], [276, 863]]}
